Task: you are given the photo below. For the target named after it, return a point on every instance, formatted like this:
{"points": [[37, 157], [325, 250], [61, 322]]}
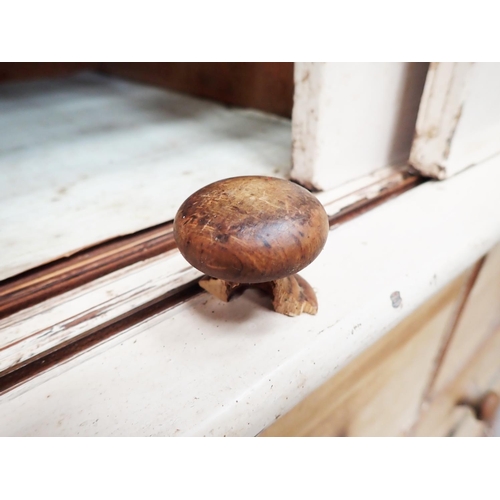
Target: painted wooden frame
{"points": [[350, 119], [458, 123]]}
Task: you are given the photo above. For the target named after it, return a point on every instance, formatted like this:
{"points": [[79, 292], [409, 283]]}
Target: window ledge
{"points": [[208, 368]]}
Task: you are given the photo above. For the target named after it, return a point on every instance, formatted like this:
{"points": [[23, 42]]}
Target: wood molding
{"points": [[91, 338], [49, 280]]}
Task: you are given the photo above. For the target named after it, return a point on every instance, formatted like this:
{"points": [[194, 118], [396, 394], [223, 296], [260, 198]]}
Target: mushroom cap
{"points": [[251, 229]]}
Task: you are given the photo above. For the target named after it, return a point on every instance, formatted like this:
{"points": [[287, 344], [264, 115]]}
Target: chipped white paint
{"points": [[38, 329], [458, 122], [56, 321], [350, 119], [88, 158], [367, 187], [208, 368]]}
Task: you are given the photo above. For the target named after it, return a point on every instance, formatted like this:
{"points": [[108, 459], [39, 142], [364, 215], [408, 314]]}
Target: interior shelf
{"points": [[88, 158]]}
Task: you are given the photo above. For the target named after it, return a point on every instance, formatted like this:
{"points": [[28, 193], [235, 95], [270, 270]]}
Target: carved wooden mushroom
{"points": [[254, 230]]}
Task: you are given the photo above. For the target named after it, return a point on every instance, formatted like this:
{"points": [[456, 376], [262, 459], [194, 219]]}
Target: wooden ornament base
{"points": [[292, 296]]}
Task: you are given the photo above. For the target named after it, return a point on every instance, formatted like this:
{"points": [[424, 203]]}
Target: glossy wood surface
{"points": [[251, 229]]}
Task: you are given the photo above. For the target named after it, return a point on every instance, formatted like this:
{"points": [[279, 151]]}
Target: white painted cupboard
{"points": [[103, 330]]}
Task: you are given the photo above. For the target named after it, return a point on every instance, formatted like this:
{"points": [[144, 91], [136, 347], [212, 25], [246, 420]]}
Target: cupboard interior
{"points": [[87, 155]]}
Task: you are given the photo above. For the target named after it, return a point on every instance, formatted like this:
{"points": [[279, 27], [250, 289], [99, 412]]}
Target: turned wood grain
{"points": [[251, 229]]}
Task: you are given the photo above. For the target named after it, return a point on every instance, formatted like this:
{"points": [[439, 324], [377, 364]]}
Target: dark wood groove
{"points": [[449, 334], [91, 338], [362, 206], [49, 280], [452, 327]]}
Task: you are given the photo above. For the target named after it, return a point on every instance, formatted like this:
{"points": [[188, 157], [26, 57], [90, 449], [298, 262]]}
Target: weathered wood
{"points": [[470, 366], [481, 314], [42, 283], [56, 359], [246, 364], [381, 392], [448, 336], [63, 281], [39, 284], [478, 377], [291, 296], [350, 119], [458, 121], [38, 330]]}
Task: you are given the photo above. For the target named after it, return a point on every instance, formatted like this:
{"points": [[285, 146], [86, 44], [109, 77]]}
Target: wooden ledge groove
{"points": [[364, 205], [91, 338], [39, 284]]}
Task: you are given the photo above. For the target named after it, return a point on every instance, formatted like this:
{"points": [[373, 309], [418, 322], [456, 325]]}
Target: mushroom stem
{"points": [[291, 296], [221, 289]]}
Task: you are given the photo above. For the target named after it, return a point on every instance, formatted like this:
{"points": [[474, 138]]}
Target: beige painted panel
{"points": [[480, 375], [380, 393], [480, 317], [386, 387], [463, 423]]}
